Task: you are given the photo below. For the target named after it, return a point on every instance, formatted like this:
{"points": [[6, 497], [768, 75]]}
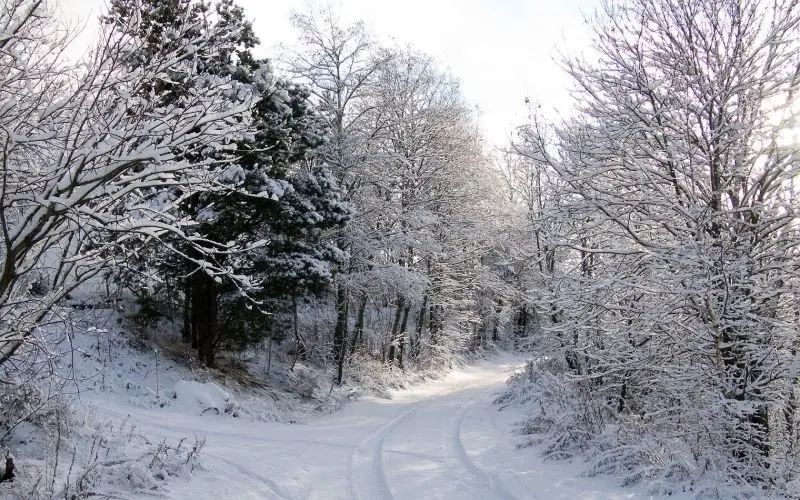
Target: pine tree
{"points": [[272, 199]]}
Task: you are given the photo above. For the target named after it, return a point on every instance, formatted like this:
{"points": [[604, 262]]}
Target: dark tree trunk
{"points": [[395, 336], [478, 333], [434, 324], [496, 327], [401, 339], [421, 320], [789, 413], [186, 329], [358, 336], [205, 316], [522, 322], [195, 303], [8, 473], [414, 346], [340, 332], [300, 349]]}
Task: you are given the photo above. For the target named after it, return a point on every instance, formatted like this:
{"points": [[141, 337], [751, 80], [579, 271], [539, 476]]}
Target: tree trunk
{"points": [[8, 473], [340, 332], [401, 339], [498, 310], [434, 323], [186, 329], [195, 303], [522, 322], [417, 339], [478, 333], [359, 333], [395, 336], [421, 320], [204, 316], [789, 415]]}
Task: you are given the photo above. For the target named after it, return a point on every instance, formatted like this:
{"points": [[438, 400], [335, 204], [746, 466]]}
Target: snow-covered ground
{"points": [[138, 415], [440, 439]]}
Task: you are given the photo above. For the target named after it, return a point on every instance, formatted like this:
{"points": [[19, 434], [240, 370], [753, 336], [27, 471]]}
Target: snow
{"points": [[443, 438], [195, 396], [234, 175], [440, 439]]}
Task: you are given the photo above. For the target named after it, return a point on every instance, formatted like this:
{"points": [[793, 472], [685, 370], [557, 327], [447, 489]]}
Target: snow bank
{"points": [[203, 398]]}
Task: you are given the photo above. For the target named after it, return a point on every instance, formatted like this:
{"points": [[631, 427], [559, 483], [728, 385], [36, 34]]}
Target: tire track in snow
{"points": [[507, 429], [271, 486], [454, 449], [370, 450]]}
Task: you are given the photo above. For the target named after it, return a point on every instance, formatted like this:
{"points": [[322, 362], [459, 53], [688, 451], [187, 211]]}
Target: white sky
{"points": [[502, 50]]}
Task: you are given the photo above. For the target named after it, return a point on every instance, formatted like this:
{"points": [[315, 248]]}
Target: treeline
{"points": [[237, 196]]}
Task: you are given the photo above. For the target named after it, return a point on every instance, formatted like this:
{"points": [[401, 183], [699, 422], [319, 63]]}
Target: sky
{"points": [[502, 51]]}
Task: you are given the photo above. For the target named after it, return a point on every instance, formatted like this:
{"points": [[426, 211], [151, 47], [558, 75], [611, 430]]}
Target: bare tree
{"points": [[678, 282], [339, 63], [89, 151]]}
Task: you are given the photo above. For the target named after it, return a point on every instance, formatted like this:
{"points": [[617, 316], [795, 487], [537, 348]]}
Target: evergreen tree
{"points": [[277, 193], [272, 199]]}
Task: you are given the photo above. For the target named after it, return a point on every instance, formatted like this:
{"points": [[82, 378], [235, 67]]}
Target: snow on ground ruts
{"points": [[442, 439]]}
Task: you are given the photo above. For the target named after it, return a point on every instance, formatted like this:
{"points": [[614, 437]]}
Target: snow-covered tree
{"points": [[269, 190], [429, 186], [406, 147], [339, 64], [84, 146], [675, 267]]}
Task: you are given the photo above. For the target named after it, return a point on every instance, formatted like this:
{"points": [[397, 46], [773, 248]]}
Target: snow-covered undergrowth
{"points": [[49, 425], [55, 422], [91, 458], [566, 420]]}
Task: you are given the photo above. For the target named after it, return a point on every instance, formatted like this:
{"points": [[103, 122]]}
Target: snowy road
{"points": [[440, 440]]}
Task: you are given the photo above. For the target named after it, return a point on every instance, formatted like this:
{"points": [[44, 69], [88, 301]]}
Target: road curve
{"points": [[442, 439]]}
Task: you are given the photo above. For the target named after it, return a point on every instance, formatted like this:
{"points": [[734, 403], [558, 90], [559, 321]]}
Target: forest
{"points": [[338, 206]]}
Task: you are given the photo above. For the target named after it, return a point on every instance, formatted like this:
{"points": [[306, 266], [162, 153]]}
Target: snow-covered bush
{"points": [[23, 402], [101, 460], [566, 418]]}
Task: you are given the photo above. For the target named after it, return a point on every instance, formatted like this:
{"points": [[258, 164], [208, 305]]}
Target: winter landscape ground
{"points": [[441, 439], [444, 438]]}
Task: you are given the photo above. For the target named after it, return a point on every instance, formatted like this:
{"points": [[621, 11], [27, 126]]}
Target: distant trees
{"points": [[406, 148], [430, 187], [669, 250]]}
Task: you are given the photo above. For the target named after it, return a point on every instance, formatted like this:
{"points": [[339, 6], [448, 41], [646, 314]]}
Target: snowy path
{"points": [[440, 440]]}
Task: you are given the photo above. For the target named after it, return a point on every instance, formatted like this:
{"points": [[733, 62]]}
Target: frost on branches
{"points": [[272, 201], [670, 245], [89, 150], [405, 146]]}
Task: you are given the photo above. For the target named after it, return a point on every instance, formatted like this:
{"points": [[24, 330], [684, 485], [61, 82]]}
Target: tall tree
{"points": [[679, 274], [339, 63], [269, 190], [82, 148]]}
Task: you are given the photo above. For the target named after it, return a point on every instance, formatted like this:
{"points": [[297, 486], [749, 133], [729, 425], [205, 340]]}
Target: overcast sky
{"points": [[502, 50]]}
